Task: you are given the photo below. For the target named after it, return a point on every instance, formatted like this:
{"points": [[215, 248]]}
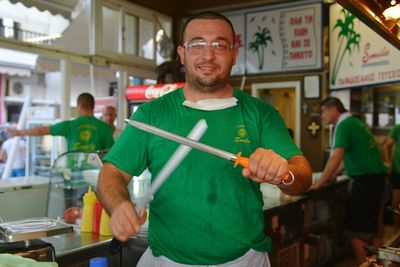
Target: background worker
{"points": [[18, 164], [354, 144], [83, 133], [392, 160], [109, 116], [207, 212]]}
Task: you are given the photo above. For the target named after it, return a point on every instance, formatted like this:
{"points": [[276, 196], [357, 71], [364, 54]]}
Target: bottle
{"points": [[87, 214], [98, 262], [96, 216], [105, 223]]}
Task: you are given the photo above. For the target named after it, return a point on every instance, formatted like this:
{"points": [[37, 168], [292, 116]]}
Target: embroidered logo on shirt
{"points": [[242, 134], [85, 135]]}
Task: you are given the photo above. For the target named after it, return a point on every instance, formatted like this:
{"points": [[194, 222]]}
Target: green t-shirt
{"points": [[206, 212], [395, 135], [85, 133], [362, 154]]}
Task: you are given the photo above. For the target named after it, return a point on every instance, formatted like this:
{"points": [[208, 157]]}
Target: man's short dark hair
{"points": [[86, 100], [334, 102], [207, 15]]}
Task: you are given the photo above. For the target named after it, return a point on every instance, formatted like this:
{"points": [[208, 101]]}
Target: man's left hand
{"points": [[266, 166]]}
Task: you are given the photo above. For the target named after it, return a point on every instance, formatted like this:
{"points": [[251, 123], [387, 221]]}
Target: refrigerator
{"points": [[41, 151]]}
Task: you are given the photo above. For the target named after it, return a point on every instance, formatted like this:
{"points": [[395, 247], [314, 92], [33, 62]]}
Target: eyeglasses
{"points": [[198, 47]]}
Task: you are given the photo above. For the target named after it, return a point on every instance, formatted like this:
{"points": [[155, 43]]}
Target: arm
{"points": [[331, 168], [386, 150], [267, 166], [38, 131], [114, 195], [3, 155], [302, 173]]}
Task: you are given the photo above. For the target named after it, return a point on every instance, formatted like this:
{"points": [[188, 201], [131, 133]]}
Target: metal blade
{"points": [[182, 140]]}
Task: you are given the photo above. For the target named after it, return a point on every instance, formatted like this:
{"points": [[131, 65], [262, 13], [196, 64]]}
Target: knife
{"points": [[237, 159]]}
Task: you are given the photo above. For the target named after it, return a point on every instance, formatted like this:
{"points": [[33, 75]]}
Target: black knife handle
{"points": [[115, 246]]}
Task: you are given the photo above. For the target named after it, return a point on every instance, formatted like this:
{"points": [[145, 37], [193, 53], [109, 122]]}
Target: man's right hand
{"points": [[124, 222]]}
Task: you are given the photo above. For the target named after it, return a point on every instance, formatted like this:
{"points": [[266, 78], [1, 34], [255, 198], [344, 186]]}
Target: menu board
{"points": [[279, 39]]}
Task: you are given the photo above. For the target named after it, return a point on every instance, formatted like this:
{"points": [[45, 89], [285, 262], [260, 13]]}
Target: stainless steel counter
{"points": [[76, 249]]}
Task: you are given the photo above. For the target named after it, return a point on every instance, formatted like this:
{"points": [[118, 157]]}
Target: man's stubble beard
{"points": [[204, 84]]}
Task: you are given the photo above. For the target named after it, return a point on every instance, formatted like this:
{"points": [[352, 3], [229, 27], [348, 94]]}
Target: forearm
{"points": [[330, 170], [386, 150], [302, 173], [112, 187], [38, 131]]}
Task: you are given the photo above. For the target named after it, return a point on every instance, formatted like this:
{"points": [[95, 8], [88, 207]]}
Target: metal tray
{"points": [[32, 228]]}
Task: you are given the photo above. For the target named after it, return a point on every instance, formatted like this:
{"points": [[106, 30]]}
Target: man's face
{"points": [[208, 70], [109, 115], [328, 114]]}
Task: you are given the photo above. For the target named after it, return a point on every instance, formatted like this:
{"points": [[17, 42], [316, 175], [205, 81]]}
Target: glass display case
{"points": [[70, 177]]}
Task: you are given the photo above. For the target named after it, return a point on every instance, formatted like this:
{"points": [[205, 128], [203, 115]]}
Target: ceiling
{"points": [[66, 8], [369, 11], [182, 7]]}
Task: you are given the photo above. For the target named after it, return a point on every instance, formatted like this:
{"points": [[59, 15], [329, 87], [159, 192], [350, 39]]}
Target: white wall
{"points": [[79, 84]]}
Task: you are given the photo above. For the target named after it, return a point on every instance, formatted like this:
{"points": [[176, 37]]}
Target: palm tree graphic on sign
{"points": [[259, 44], [348, 39]]}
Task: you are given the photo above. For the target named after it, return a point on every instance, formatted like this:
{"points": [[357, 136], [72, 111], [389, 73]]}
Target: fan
{"points": [[165, 46], [17, 88]]}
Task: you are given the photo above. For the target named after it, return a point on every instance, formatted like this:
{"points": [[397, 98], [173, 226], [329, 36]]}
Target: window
{"points": [[110, 29], [130, 33], [146, 42]]}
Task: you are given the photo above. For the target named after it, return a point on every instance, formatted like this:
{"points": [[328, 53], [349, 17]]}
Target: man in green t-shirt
{"points": [[392, 160], [355, 145], [207, 212], [83, 133]]}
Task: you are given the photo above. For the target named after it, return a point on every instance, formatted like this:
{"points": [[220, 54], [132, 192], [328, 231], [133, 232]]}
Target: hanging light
{"points": [[392, 12]]}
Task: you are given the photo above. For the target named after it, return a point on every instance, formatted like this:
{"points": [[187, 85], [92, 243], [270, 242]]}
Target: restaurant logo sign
{"points": [[358, 55], [379, 56]]}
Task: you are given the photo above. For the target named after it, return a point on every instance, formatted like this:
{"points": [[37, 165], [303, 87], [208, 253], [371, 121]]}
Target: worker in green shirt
{"points": [[354, 144], [392, 160], [207, 212], [83, 133]]}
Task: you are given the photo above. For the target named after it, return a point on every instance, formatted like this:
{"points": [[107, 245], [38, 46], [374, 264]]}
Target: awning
{"points": [[14, 62], [15, 71], [62, 7], [148, 92]]}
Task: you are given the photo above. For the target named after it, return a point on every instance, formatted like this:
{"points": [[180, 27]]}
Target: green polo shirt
{"points": [[206, 212], [84, 133], [362, 154], [395, 135]]}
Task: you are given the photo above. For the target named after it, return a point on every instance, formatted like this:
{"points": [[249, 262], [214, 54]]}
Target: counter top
{"points": [[274, 198], [76, 241], [18, 182]]}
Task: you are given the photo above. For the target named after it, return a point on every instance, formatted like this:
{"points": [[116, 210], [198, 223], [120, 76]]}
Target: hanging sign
{"points": [[357, 55]]}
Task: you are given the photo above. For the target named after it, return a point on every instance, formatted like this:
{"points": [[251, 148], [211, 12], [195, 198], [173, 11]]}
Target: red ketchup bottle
{"points": [[97, 216]]}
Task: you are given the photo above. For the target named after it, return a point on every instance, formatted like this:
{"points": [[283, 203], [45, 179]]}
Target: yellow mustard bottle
{"points": [[105, 223], [87, 214]]}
